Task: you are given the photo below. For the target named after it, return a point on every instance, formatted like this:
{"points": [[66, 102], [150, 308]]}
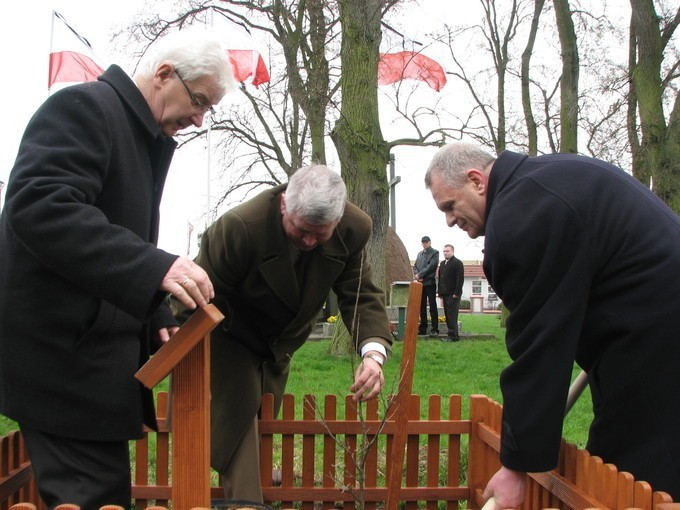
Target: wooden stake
{"points": [[408, 359]]}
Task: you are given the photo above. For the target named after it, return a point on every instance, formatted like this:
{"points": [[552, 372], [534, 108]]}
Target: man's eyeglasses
{"points": [[198, 105]]}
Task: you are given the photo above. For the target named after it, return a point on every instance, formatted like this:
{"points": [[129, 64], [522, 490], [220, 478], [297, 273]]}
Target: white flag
{"points": [[72, 59]]}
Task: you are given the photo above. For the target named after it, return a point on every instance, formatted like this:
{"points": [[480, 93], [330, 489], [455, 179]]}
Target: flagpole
{"points": [[49, 71], [209, 142]]}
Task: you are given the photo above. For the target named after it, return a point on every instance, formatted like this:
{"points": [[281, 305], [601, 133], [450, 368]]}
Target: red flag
{"points": [[246, 64], [405, 65], [71, 57]]}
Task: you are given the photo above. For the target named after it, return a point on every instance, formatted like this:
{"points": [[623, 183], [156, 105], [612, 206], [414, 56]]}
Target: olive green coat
{"points": [[246, 255]]}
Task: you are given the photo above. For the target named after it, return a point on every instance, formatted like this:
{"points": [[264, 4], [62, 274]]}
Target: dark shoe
{"points": [[454, 338], [422, 332], [434, 334]]}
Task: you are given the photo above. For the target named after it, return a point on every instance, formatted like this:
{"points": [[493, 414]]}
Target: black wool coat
{"points": [[451, 277], [587, 260], [79, 270]]}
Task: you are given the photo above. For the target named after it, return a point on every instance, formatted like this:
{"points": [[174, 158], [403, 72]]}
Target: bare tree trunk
{"points": [[311, 92], [569, 82], [362, 150], [532, 131], [659, 152], [498, 41]]}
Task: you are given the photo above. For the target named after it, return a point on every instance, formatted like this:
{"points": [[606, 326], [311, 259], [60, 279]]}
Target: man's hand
{"points": [[189, 283], [368, 379], [507, 487], [164, 334]]}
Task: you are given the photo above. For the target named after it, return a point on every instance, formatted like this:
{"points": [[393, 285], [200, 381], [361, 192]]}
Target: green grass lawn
{"points": [[471, 366], [468, 367]]}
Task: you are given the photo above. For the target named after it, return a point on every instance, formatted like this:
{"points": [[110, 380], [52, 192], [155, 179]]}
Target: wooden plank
{"points": [[162, 445], [434, 411], [193, 331], [350, 475], [308, 454], [573, 496], [266, 442], [377, 494], [453, 454], [287, 450], [329, 449], [191, 429], [642, 494], [15, 479], [371, 452], [422, 427], [408, 358], [412, 466]]}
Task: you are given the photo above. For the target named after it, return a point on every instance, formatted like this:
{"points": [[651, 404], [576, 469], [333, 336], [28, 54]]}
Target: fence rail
{"points": [[326, 461]]}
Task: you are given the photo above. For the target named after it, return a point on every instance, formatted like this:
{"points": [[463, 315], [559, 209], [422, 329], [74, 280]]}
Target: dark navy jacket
{"points": [[587, 260]]}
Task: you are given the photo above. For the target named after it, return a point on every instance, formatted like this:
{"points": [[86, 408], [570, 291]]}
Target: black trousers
{"points": [[451, 306], [429, 295], [90, 474]]}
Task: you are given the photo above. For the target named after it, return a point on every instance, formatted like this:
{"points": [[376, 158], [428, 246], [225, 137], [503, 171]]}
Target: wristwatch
{"points": [[377, 358]]}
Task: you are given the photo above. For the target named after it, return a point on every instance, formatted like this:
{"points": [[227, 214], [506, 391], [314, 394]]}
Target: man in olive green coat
{"points": [[272, 261]]}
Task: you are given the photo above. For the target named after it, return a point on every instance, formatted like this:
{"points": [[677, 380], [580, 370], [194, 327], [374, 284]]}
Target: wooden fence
{"points": [[320, 458]]}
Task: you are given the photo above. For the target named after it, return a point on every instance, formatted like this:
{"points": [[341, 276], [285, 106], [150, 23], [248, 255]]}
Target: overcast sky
{"points": [[25, 43]]}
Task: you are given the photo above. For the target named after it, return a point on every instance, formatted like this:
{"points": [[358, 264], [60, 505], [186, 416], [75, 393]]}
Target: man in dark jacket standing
{"points": [[450, 288], [587, 260], [424, 271], [81, 280]]}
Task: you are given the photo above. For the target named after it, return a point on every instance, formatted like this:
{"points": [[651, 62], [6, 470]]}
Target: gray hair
{"points": [[195, 53], [317, 194], [454, 159]]}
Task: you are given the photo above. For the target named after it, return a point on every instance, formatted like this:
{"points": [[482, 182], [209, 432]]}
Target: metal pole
{"points": [[575, 390], [393, 198]]}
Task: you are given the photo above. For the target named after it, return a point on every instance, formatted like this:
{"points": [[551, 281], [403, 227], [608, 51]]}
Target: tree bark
{"points": [[659, 152], [532, 131], [357, 136], [569, 82]]}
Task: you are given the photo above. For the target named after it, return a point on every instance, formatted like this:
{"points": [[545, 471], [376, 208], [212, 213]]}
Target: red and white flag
{"points": [[72, 59], [394, 67], [248, 64]]}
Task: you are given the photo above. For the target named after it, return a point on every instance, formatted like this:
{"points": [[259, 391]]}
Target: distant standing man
{"points": [[82, 284], [424, 272], [273, 261], [587, 260], [450, 288]]}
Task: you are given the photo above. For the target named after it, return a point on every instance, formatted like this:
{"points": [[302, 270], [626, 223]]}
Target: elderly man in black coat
{"points": [[82, 284], [587, 260]]}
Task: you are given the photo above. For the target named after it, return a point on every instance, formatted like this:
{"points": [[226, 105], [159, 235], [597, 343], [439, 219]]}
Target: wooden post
{"points": [[187, 356], [408, 359]]}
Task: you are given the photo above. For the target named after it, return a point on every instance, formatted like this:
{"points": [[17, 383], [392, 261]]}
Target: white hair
{"points": [[194, 53], [317, 194]]}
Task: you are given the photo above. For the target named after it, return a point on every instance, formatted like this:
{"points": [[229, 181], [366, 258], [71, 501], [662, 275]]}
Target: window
{"points": [[476, 287]]}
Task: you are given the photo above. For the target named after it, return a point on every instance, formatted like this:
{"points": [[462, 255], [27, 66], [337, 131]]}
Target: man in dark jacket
{"points": [[450, 288], [81, 280], [587, 260], [273, 261], [424, 271]]}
